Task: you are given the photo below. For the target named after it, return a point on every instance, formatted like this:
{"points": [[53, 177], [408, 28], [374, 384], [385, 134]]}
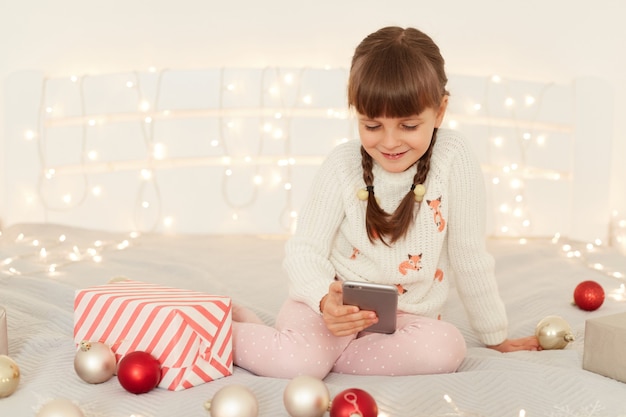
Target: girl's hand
{"points": [[343, 320], [513, 345]]}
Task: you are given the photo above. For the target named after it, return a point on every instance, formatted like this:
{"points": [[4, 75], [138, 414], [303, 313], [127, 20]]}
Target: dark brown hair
{"points": [[395, 72]]}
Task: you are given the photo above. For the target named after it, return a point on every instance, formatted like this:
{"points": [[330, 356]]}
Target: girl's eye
{"points": [[410, 127], [368, 127]]}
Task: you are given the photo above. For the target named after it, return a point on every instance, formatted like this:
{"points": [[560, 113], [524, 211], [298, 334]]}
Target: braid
{"points": [[376, 219], [380, 223]]}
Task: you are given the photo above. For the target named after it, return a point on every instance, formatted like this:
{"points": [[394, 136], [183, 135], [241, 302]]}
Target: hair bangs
{"points": [[390, 85]]}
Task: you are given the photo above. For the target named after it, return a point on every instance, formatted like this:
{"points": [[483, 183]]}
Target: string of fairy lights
{"points": [[276, 98]]}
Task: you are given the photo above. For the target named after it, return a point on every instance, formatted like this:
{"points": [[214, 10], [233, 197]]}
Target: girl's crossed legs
{"points": [[300, 344]]}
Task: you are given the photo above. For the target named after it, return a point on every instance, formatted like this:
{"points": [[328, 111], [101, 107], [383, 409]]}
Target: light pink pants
{"points": [[300, 344]]}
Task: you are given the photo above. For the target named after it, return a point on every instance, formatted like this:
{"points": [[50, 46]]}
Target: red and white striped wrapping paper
{"points": [[189, 332]]}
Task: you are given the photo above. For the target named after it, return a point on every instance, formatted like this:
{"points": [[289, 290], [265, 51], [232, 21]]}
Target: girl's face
{"points": [[397, 143]]}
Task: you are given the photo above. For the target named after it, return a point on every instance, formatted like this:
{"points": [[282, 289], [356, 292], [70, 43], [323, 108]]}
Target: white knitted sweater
{"points": [[445, 247]]}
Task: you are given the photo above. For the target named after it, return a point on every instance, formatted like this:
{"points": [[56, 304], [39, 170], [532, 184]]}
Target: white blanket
{"points": [[536, 280]]}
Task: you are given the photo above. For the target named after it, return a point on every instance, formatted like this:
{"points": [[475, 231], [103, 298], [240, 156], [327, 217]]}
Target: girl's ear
{"points": [[442, 111]]}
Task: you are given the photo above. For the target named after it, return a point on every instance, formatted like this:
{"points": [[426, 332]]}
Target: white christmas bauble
{"points": [[305, 396], [233, 401], [94, 362], [60, 407]]}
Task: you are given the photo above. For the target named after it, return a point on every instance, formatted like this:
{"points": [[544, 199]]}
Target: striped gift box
{"points": [[187, 331]]}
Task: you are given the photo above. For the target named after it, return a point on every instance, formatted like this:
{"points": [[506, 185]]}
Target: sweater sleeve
{"points": [[474, 266], [307, 258]]}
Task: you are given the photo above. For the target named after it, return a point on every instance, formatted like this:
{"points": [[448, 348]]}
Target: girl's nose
{"points": [[390, 139]]}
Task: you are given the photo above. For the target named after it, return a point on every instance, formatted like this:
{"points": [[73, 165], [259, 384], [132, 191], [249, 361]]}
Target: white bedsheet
{"points": [[536, 280]]}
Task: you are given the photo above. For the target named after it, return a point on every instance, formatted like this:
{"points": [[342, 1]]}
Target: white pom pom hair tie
{"points": [[364, 193], [419, 190]]}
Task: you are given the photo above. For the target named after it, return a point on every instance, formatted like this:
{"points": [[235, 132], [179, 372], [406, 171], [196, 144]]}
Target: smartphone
{"points": [[381, 298]]}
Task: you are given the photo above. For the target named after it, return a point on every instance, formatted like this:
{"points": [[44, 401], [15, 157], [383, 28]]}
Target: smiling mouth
{"points": [[393, 155]]}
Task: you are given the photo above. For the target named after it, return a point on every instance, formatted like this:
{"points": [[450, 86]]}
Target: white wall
{"points": [[534, 39]]}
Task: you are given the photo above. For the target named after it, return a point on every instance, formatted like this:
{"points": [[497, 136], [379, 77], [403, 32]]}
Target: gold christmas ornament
{"points": [[305, 396], [117, 279], [553, 332], [9, 376], [94, 362], [60, 407], [233, 401]]}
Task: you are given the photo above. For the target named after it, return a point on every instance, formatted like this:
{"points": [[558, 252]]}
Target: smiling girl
{"points": [[407, 187]]}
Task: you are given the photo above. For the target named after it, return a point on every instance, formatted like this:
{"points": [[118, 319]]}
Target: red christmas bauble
{"points": [[353, 402], [589, 295], [139, 372]]}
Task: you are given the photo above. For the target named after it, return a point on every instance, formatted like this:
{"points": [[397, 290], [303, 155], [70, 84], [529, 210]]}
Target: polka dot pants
{"points": [[300, 344]]}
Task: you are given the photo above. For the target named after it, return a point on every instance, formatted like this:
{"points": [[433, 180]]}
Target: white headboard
{"points": [[233, 150]]}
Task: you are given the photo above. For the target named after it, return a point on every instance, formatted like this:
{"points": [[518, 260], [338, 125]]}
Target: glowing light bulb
{"points": [[288, 78], [144, 105], [529, 100], [159, 151], [146, 174], [495, 180], [130, 84], [96, 191], [307, 99], [73, 78], [92, 155], [509, 102], [29, 135], [67, 198], [91, 122], [496, 79], [287, 186], [278, 134], [453, 124], [258, 180]]}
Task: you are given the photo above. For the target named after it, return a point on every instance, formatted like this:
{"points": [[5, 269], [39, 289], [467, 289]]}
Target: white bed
{"points": [[86, 177], [536, 280]]}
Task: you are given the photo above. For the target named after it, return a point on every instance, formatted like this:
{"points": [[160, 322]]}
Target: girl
{"points": [[402, 206]]}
